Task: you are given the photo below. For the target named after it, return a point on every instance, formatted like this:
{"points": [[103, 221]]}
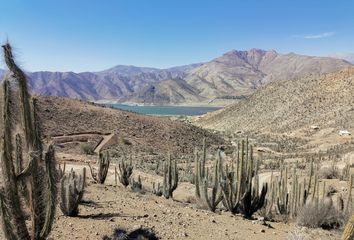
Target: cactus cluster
{"points": [[71, 192], [236, 186], [170, 179], [40, 171], [103, 166], [125, 171]]}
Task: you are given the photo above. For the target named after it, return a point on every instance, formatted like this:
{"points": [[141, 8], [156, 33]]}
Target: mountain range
{"points": [[232, 75]]}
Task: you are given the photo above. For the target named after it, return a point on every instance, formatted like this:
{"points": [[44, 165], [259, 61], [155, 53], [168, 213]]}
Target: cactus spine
{"points": [[40, 172]]}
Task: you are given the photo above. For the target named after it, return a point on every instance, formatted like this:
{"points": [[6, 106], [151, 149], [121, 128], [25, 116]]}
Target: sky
{"points": [[89, 35]]}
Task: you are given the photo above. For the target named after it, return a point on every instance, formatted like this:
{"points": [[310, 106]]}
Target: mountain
{"points": [[241, 72], [346, 56], [232, 76], [324, 100], [166, 92], [114, 83]]}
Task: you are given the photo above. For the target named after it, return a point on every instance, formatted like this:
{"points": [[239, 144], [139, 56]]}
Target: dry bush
{"points": [[320, 215], [296, 235], [87, 148], [330, 173]]}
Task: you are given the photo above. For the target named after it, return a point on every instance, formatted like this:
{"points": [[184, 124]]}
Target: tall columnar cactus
{"points": [[170, 178], [103, 166], [39, 173], [212, 199], [283, 194], [349, 197], [72, 190], [252, 200], [348, 233], [199, 169], [235, 182], [125, 171]]}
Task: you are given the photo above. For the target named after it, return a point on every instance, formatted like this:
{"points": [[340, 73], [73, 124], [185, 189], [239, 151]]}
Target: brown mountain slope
{"points": [[325, 100], [62, 116], [241, 72], [166, 92]]}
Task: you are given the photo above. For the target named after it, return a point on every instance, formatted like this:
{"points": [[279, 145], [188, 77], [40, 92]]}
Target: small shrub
{"points": [[330, 173], [137, 234], [320, 215], [126, 141], [296, 235], [87, 148]]}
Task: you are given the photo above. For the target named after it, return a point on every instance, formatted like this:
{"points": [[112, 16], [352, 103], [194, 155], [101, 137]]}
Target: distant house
{"points": [[344, 133]]}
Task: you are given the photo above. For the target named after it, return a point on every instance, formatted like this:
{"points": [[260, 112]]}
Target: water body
{"points": [[165, 110]]}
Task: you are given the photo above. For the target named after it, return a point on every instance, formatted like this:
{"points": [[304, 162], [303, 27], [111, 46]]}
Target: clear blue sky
{"points": [[88, 35]]}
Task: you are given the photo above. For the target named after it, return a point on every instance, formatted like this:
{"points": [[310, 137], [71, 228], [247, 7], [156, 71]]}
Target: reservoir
{"points": [[165, 110]]}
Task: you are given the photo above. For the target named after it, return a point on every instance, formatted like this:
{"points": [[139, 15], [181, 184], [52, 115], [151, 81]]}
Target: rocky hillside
{"points": [[235, 74], [284, 106]]}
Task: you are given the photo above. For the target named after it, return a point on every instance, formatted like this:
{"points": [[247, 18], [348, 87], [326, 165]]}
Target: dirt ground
{"points": [[108, 207]]}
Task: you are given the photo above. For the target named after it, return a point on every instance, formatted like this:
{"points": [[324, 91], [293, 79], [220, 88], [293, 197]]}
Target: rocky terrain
{"points": [[234, 74]]}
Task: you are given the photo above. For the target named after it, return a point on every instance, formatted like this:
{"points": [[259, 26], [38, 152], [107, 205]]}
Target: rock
{"points": [[262, 231]]}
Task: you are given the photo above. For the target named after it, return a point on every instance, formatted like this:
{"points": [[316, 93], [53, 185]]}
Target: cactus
{"points": [[213, 200], [40, 172], [345, 172], [103, 166], [136, 186], [283, 195], [235, 182], [349, 197], [61, 171], [251, 201], [170, 178], [348, 233], [157, 190], [199, 169], [72, 190], [125, 171]]}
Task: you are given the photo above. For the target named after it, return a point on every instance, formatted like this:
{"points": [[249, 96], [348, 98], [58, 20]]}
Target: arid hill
{"points": [[66, 118], [285, 106]]}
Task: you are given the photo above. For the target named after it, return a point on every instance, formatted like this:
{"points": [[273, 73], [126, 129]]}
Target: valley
{"points": [[275, 163]]}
